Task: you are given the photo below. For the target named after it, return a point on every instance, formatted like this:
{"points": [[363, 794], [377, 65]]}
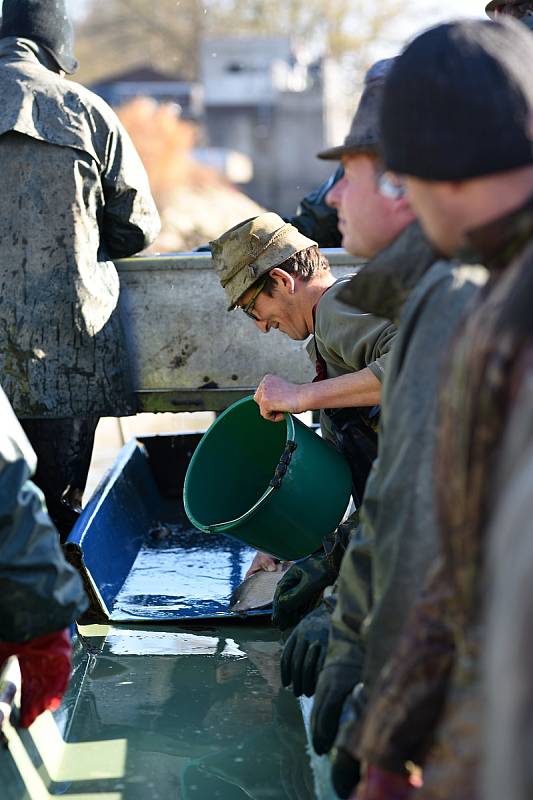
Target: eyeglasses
{"points": [[249, 307], [391, 186]]}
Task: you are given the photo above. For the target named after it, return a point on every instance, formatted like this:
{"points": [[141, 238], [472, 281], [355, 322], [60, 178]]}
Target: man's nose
{"points": [[334, 195]]}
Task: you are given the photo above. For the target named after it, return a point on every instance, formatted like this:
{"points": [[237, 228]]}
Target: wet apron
{"points": [[354, 431]]}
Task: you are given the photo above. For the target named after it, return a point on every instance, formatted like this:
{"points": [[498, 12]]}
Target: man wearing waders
{"points": [[75, 195]]}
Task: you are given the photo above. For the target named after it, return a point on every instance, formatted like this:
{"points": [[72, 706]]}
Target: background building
{"points": [[263, 100]]}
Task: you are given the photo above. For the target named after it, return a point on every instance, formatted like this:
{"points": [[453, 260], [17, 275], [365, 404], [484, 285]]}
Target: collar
{"points": [[499, 241], [384, 284], [17, 48]]}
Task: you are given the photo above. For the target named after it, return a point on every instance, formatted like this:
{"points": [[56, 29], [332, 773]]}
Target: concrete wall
{"points": [[187, 352]]}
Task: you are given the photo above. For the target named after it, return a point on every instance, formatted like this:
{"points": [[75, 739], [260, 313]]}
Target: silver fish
{"points": [[257, 591]]}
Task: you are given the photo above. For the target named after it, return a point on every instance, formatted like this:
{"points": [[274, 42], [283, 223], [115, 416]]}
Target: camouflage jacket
{"points": [[75, 195], [398, 534], [39, 592], [426, 708]]}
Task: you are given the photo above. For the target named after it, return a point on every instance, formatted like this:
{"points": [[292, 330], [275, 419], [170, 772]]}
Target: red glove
{"points": [[378, 784], [45, 668]]}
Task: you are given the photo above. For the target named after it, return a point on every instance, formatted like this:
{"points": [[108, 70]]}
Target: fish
{"points": [[257, 591]]}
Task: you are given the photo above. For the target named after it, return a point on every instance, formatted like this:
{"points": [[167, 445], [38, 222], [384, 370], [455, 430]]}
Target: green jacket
{"points": [[39, 592], [398, 533], [349, 339]]}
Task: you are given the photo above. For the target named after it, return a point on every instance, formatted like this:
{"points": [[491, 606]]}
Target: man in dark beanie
{"points": [[456, 119], [75, 195]]}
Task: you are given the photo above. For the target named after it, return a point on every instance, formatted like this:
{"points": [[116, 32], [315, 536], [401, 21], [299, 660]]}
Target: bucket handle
{"points": [[283, 465]]}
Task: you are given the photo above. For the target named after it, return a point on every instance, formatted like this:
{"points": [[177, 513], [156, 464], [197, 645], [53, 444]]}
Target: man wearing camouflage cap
{"points": [[279, 278], [282, 281], [465, 148]]}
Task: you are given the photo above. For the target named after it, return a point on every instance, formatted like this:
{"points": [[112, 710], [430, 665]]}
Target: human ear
{"points": [[284, 280]]}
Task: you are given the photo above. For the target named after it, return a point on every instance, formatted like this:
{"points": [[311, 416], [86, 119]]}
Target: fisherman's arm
{"points": [[40, 594], [409, 696], [345, 654], [130, 218], [275, 395]]}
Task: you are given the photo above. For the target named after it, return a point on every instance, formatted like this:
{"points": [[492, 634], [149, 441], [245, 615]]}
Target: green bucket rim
{"points": [[221, 527]]}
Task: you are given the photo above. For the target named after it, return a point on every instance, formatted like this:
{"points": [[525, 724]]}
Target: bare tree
{"points": [[166, 33], [121, 34]]}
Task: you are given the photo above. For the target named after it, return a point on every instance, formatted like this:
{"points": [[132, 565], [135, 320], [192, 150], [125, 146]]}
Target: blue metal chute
{"points": [[140, 558]]}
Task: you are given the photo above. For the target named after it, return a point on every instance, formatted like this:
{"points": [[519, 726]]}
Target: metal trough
{"points": [[141, 559]]}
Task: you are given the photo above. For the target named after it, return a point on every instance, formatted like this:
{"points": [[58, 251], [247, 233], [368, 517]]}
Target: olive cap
{"points": [[252, 248], [365, 133]]}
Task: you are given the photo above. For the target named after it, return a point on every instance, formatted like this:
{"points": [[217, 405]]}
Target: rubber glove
{"points": [[335, 683], [300, 589], [345, 773], [305, 652], [345, 770], [378, 784], [45, 664]]}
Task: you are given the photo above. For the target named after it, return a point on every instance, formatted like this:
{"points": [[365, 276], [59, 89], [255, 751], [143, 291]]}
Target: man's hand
{"points": [[274, 396], [335, 683], [45, 668], [262, 563], [300, 589], [305, 651]]}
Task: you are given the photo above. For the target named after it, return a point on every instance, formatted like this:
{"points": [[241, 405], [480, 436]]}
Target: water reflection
{"points": [[175, 571], [203, 712]]}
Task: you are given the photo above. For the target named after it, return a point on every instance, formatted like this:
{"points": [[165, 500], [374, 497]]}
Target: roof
{"points": [[141, 74]]}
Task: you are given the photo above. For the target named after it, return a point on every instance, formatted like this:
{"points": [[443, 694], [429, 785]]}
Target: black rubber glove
{"points": [[345, 772], [300, 588], [315, 219], [305, 652], [335, 683]]}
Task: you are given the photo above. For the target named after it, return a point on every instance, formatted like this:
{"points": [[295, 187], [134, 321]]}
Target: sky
{"points": [[425, 13], [420, 14], [428, 11]]}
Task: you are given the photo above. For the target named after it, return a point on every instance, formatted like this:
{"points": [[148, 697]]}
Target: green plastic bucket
{"points": [[277, 486]]}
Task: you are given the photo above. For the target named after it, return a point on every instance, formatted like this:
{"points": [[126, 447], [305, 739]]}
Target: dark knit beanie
{"points": [[45, 22], [457, 102]]}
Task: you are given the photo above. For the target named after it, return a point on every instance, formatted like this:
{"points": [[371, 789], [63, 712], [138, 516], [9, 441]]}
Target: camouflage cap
{"points": [[251, 249], [364, 135]]}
